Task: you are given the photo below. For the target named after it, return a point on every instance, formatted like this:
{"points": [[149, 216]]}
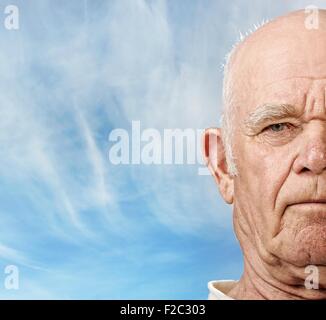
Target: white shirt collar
{"points": [[218, 289]]}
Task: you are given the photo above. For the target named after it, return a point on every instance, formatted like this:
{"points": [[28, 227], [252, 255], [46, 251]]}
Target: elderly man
{"points": [[269, 160]]}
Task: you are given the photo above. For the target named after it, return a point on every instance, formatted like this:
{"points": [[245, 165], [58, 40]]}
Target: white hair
{"points": [[228, 113]]}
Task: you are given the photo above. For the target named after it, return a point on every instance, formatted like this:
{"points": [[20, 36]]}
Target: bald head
{"points": [[290, 46]]}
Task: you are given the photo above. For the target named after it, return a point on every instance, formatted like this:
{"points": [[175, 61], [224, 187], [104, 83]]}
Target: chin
{"points": [[302, 237], [306, 246]]}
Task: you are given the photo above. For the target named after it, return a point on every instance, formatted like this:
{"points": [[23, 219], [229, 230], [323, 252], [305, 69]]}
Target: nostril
{"points": [[311, 159]]}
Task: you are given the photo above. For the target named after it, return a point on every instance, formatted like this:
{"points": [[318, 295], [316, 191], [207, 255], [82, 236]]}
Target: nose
{"points": [[312, 158]]}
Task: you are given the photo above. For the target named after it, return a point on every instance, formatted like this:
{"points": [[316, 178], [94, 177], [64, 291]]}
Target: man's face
{"points": [[280, 147]]}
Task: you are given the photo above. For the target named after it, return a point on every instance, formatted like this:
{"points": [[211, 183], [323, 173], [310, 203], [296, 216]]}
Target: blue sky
{"points": [[77, 226]]}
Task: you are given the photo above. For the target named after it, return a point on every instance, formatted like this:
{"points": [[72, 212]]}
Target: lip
{"points": [[314, 209], [312, 201]]}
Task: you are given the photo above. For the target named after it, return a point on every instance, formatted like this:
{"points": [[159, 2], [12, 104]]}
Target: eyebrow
{"points": [[268, 113]]}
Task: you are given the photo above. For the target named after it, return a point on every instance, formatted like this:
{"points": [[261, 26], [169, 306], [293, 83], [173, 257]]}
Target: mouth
{"points": [[311, 204], [312, 201]]}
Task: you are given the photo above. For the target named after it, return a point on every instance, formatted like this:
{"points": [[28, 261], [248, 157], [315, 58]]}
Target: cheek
{"points": [[262, 172], [257, 172]]}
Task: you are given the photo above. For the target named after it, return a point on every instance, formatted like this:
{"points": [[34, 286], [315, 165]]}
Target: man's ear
{"points": [[215, 159]]}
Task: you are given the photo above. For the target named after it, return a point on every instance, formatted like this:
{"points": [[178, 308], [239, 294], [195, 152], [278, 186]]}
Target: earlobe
{"points": [[227, 191], [215, 159]]}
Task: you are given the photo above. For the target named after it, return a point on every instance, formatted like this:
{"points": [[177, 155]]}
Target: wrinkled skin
{"points": [[279, 193]]}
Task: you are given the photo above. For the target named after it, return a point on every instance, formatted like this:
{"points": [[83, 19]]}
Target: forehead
{"points": [[281, 67], [287, 57]]}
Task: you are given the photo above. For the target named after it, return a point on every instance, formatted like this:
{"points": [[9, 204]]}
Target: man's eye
{"points": [[277, 127]]}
